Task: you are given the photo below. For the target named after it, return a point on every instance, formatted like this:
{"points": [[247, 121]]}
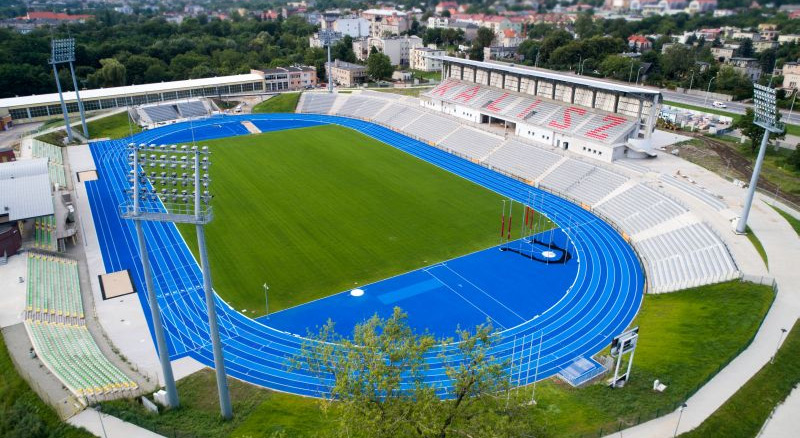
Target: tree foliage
{"points": [[379, 387], [748, 127], [379, 66]]}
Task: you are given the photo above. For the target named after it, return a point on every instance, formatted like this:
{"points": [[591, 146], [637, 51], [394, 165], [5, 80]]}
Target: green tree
{"points": [[379, 66], [754, 132], [379, 389], [618, 67], [111, 74], [794, 158]]}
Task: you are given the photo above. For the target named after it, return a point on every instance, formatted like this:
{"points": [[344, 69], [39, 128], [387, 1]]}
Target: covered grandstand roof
{"points": [[106, 93], [25, 189], [592, 124], [554, 76]]}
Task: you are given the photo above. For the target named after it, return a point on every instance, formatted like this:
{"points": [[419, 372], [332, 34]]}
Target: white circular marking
{"points": [[356, 292], [549, 254]]}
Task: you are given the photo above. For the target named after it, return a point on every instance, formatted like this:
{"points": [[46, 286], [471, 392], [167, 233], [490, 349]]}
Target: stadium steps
{"points": [[551, 169]]}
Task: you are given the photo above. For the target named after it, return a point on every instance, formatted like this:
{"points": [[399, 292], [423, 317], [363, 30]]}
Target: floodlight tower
{"points": [[766, 116], [161, 201], [327, 36], [63, 52]]}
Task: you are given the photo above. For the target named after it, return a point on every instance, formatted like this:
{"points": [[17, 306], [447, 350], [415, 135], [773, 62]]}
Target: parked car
{"points": [[718, 104]]}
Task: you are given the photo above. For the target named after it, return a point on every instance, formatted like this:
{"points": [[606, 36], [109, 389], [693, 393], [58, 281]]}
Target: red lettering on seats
{"points": [[529, 109], [598, 132], [441, 89], [567, 117], [492, 105], [467, 95]]}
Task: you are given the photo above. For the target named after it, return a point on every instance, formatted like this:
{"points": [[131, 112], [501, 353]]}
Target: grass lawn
{"points": [[198, 415], [22, 412], [674, 346], [745, 412], [793, 221], [429, 75], [55, 137], [279, 103], [318, 210], [751, 236], [114, 126]]}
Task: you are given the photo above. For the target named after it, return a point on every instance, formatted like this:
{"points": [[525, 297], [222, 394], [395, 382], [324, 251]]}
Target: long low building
{"points": [[43, 106]]}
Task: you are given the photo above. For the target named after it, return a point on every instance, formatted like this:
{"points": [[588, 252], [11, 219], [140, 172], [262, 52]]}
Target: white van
{"points": [[718, 104]]}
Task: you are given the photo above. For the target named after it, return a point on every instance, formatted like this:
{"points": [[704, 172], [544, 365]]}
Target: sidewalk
{"points": [[783, 251], [107, 426]]}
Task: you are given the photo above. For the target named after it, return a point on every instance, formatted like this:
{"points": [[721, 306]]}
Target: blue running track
{"points": [[600, 302]]}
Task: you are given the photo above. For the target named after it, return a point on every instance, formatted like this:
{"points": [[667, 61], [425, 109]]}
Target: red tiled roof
{"points": [[43, 15]]}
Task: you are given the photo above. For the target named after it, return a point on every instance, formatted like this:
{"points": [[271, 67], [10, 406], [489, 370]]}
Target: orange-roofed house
{"points": [[639, 43]]}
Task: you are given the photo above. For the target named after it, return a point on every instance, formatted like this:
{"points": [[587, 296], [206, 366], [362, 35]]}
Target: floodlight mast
{"points": [[765, 116], [63, 52], [155, 313], [219, 359], [327, 36]]}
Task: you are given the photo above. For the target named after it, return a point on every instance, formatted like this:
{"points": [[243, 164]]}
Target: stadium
{"points": [[510, 196]]}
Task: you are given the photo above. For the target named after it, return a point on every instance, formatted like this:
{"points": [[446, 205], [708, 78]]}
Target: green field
{"points": [[279, 103], [321, 210]]}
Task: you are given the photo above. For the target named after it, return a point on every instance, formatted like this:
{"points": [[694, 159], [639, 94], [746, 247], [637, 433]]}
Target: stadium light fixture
{"points": [[62, 51], [327, 36], [766, 116], [170, 183]]}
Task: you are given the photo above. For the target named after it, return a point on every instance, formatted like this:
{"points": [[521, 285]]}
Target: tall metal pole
{"points": [[791, 108], [708, 90], [691, 81], [742, 225], [80, 103], [330, 69], [155, 314], [63, 105], [219, 360], [266, 299]]}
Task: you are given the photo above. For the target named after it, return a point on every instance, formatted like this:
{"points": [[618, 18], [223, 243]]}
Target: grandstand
{"points": [[55, 162], [54, 319], [589, 117], [152, 115]]}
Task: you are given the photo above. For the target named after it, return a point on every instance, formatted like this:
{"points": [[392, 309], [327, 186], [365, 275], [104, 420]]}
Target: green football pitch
{"points": [[320, 210]]}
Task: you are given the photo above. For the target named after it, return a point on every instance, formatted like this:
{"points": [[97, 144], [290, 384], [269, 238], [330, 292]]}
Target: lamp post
{"points": [[791, 107], [691, 81], [266, 300], [536, 62], [680, 414], [708, 89], [637, 74], [630, 73], [583, 65], [98, 409], [778, 346]]}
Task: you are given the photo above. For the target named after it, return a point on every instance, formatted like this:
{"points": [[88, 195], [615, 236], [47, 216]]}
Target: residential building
{"points": [[296, 77], [762, 45], [788, 38], [719, 13], [722, 54], [639, 43], [749, 67], [402, 76], [386, 21], [509, 38], [423, 59], [449, 6], [791, 75], [346, 74], [397, 48], [746, 34], [701, 6]]}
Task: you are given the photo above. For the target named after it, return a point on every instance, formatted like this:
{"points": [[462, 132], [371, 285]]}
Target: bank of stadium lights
{"points": [[327, 36], [62, 51], [170, 183], [765, 115]]}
